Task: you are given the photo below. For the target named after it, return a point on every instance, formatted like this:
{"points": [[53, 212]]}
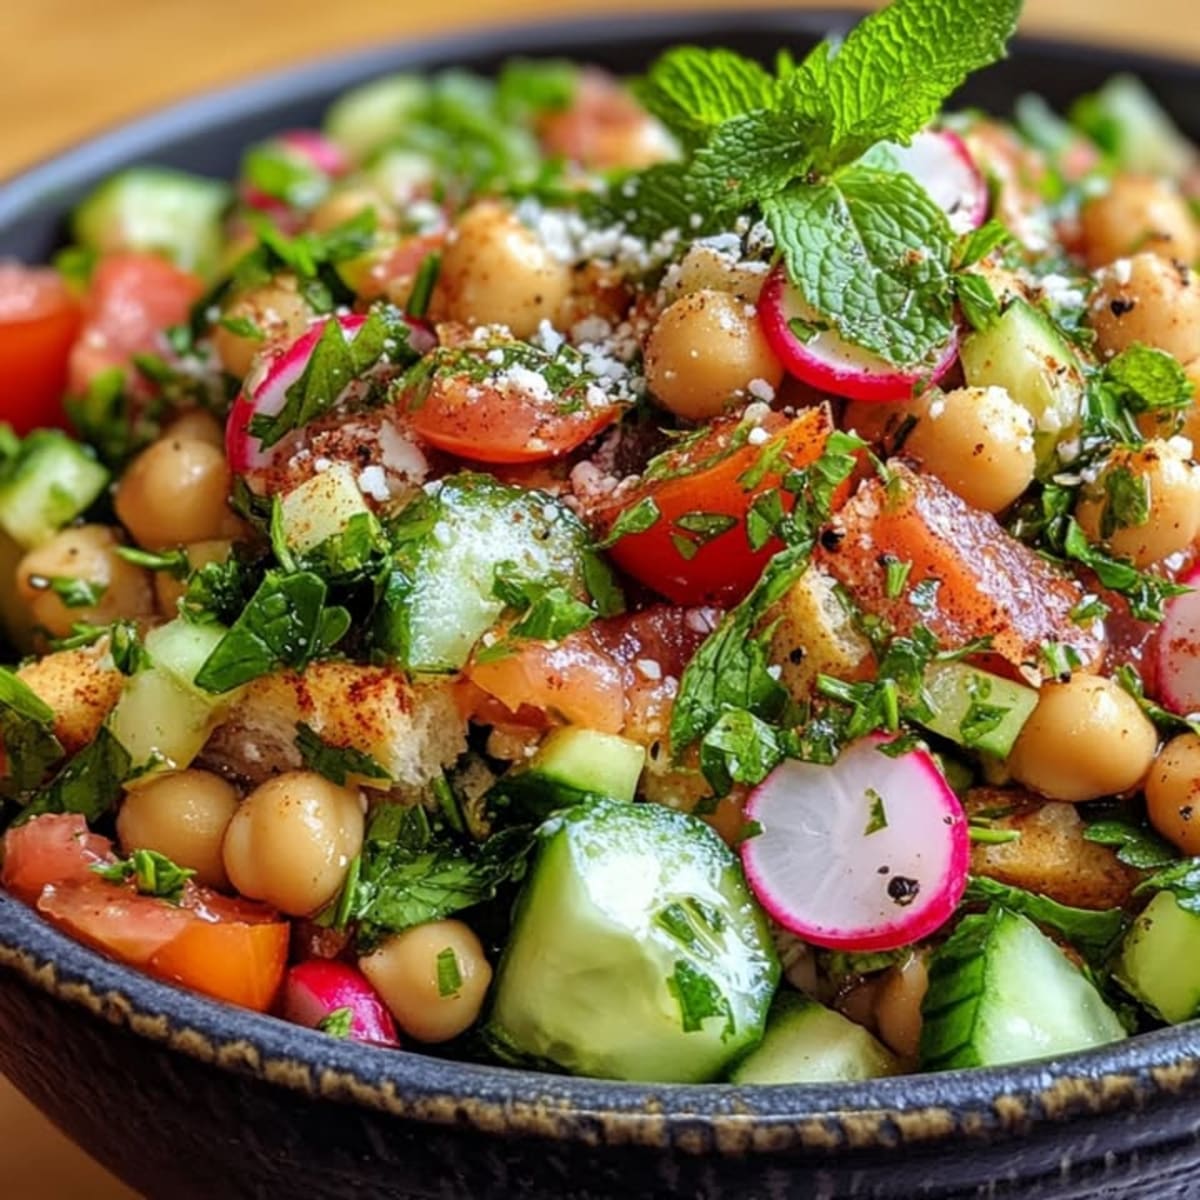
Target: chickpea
{"points": [[176, 492], [1173, 793], [898, 1005], [184, 815], [1138, 213], [1087, 738], [704, 353], [291, 841], [1147, 299], [196, 425], [279, 312], [495, 271], [405, 973], [169, 591], [347, 203], [1159, 473], [86, 553], [977, 441], [704, 268]]}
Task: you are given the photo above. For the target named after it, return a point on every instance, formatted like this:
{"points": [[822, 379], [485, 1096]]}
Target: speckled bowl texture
{"points": [[184, 1098]]}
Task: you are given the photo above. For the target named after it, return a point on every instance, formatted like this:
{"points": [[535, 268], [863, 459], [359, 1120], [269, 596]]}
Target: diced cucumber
{"points": [[1125, 119], [398, 173], [366, 118], [1000, 991], [637, 951], [572, 765], [440, 597], [1024, 354], [162, 719], [157, 209], [321, 508], [806, 1042], [51, 481], [1160, 960], [975, 708]]}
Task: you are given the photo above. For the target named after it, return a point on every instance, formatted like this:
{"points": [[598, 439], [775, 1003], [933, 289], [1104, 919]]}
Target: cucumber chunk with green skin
{"points": [[368, 117], [806, 1042], [156, 209], [161, 718], [570, 767], [975, 708], [52, 480], [1159, 963], [636, 953], [1023, 353], [1000, 991], [440, 597]]}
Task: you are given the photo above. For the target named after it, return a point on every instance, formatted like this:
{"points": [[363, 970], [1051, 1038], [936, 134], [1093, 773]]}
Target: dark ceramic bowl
{"points": [[186, 1098]]}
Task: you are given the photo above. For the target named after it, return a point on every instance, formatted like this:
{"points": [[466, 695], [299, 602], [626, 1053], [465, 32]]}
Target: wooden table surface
{"points": [[70, 67]]}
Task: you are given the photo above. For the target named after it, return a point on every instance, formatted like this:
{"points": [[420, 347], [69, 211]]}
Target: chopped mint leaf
{"points": [[1149, 379], [31, 748], [242, 327], [740, 748], [1059, 661], [153, 874], [1126, 500], [89, 784], [449, 977], [1136, 845], [1181, 879], [979, 243], [977, 300], [284, 174], [171, 562], [125, 646], [877, 813], [895, 576], [1147, 594], [337, 1023], [336, 763], [694, 530], [1090, 608], [699, 999], [641, 516], [1127, 676]]}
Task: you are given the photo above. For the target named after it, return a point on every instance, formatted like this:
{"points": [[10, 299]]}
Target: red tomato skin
{"points": [[52, 848], [132, 299], [39, 321], [722, 570]]}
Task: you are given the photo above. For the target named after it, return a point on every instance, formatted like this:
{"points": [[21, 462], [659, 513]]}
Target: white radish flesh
{"points": [[1179, 649]]}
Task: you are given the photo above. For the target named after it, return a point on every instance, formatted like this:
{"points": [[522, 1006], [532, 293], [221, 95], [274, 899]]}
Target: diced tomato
{"points": [[235, 961], [704, 484], [52, 848], [114, 918], [984, 582], [132, 299], [39, 319], [572, 679]]}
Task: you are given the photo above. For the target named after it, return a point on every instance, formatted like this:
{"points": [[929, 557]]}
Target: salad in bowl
{"points": [[685, 579]]}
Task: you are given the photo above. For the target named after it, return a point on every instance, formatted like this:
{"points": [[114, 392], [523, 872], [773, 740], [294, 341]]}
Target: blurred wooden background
{"points": [[71, 67]]}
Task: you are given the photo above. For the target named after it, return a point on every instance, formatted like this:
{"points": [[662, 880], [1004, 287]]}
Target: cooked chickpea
{"points": [[176, 492], [169, 591], [703, 354], [1158, 474], [977, 441], [276, 309], [898, 1005], [1173, 793], [183, 815], [495, 271], [347, 203], [86, 553], [1087, 738], [291, 841], [196, 425], [704, 268], [1138, 213], [1147, 299], [429, 1006]]}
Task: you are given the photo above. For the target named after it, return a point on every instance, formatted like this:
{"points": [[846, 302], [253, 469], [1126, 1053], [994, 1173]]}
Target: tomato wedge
{"points": [[52, 848], [498, 414], [132, 299], [39, 319], [698, 551]]}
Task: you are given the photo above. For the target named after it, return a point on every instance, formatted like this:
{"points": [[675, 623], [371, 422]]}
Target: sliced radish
{"points": [[825, 360], [315, 990], [1179, 649], [870, 853], [941, 163], [265, 391]]}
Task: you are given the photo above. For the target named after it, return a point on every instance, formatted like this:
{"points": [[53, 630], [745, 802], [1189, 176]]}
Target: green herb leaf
{"points": [[153, 874], [977, 300], [877, 813], [74, 593], [1149, 379], [449, 977], [638, 518], [337, 1023], [895, 576], [699, 999], [1127, 676], [1181, 879], [336, 763], [1126, 501], [31, 748], [979, 243], [242, 327], [89, 784], [171, 562], [1137, 845], [738, 748]]}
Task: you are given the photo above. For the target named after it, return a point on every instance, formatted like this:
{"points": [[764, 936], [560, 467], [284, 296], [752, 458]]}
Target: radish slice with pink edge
{"points": [[870, 853], [941, 163], [825, 360], [1178, 649], [264, 391], [315, 990]]}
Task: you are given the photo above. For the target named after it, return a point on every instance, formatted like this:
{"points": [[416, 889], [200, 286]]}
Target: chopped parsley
{"points": [[449, 976], [877, 813], [699, 998], [336, 763], [338, 1023], [153, 874]]}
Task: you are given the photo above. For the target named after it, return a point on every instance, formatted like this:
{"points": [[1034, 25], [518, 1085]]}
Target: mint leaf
{"points": [[891, 75], [27, 734], [89, 784], [1136, 845], [336, 763], [692, 91], [699, 998], [871, 250], [1147, 379]]}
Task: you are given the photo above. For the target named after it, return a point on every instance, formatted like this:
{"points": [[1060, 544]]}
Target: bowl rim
{"points": [[725, 1119]]}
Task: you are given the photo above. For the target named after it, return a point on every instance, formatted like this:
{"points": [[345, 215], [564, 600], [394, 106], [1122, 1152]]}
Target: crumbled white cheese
{"points": [[373, 482]]}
